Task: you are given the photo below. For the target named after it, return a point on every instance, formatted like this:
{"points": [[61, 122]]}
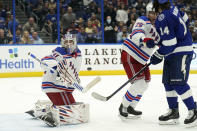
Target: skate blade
{"points": [[169, 122], [134, 116], [122, 117], [193, 124], [129, 117]]}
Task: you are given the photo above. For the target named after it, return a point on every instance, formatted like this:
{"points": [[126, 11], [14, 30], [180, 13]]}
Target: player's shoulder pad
{"points": [[61, 50]]}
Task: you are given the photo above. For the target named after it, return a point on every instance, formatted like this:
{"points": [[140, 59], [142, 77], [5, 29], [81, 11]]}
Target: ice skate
{"points": [[191, 119], [31, 113], [170, 118], [128, 113], [48, 119], [132, 113], [123, 112]]}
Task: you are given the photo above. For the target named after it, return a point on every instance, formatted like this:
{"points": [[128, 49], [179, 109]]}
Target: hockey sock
{"points": [[171, 96], [186, 96], [134, 93]]}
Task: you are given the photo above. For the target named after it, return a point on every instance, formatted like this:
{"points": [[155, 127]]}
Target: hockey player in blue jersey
{"points": [[177, 50]]}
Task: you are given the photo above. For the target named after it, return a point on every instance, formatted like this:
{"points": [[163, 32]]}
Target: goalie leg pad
{"points": [[68, 114], [74, 114]]}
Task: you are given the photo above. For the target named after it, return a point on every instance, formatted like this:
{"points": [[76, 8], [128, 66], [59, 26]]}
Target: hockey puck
{"points": [[89, 68]]}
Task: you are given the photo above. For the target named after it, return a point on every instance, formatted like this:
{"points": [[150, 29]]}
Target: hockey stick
{"points": [[75, 84], [103, 98]]}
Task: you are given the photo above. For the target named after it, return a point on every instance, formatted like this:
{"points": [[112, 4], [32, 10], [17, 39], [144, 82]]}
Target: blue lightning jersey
{"points": [[174, 34]]}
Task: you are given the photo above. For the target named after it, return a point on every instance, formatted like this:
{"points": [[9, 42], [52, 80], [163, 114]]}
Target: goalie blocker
{"points": [[60, 115]]}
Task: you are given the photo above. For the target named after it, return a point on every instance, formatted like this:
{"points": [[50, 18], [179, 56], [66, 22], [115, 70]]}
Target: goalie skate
{"points": [[170, 118], [128, 113], [30, 112], [48, 119]]}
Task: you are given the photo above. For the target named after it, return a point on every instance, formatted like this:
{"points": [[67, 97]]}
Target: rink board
{"points": [[98, 59]]}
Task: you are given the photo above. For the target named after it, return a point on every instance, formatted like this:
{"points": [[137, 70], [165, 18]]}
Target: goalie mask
{"points": [[69, 41]]}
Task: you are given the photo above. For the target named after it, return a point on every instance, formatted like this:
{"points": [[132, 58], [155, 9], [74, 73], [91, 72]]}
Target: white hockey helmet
{"points": [[69, 41]]}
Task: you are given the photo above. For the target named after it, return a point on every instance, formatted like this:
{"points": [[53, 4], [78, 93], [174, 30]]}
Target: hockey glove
{"points": [[149, 42], [156, 58]]}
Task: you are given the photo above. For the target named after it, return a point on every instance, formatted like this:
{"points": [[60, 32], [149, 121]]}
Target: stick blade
{"points": [[93, 82], [98, 96]]}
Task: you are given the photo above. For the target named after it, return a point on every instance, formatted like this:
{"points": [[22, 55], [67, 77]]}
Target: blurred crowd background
{"points": [[36, 20]]}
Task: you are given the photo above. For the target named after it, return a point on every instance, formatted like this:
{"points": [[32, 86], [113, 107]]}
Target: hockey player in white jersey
{"points": [[60, 79], [136, 51]]}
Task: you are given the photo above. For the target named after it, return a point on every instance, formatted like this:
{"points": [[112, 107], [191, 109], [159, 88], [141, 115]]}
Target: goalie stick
{"points": [[75, 84], [103, 98]]}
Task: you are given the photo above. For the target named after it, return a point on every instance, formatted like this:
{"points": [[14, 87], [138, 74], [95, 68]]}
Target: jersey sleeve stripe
{"points": [[182, 49], [49, 85], [185, 18], [148, 22], [170, 42], [136, 50], [47, 58]]}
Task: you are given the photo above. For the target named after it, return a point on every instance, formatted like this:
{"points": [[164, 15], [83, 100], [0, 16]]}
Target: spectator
{"points": [[110, 31], [121, 14], [36, 39], [89, 29], [109, 11], [26, 38], [67, 19], [51, 18], [121, 36], [94, 37], [120, 26], [30, 26], [52, 4], [95, 21], [82, 35], [2, 22], [73, 28], [131, 21], [10, 24], [140, 4], [30, 5], [92, 7], [4, 39], [195, 32], [18, 36], [41, 15], [81, 22]]}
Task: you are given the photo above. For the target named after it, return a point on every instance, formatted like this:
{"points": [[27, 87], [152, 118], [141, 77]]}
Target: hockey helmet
{"points": [[69, 41]]}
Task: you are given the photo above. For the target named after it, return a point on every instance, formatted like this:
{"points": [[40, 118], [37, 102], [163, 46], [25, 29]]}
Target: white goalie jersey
{"points": [[134, 46], [72, 63]]}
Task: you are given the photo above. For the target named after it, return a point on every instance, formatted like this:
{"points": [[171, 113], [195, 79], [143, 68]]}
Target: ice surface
{"points": [[19, 95]]}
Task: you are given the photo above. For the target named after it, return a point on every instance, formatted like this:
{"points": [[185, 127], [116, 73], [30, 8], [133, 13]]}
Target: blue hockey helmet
{"points": [[162, 1]]}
